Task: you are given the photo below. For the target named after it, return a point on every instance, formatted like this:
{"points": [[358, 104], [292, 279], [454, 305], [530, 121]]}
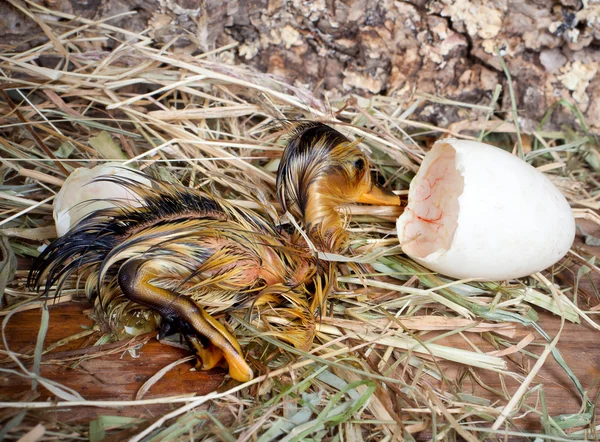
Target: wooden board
{"points": [[118, 373], [112, 372]]}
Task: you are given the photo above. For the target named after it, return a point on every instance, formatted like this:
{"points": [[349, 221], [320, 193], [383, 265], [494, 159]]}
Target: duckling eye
{"points": [[359, 164]]}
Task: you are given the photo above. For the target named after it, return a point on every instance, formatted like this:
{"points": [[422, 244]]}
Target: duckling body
{"points": [[187, 255]]}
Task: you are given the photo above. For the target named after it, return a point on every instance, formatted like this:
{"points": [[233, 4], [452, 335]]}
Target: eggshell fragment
{"points": [[476, 211], [81, 195]]}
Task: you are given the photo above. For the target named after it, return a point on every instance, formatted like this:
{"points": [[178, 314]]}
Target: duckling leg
{"points": [[208, 354], [134, 279]]}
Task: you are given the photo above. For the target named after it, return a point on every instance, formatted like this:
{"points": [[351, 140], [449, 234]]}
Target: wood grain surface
{"points": [[114, 372], [118, 373]]}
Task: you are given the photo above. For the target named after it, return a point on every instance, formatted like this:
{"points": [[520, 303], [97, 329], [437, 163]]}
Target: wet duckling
{"points": [[187, 255]]}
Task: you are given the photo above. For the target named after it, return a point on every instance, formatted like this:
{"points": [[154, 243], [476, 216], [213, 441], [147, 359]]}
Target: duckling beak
{"points": [[380, 197]]}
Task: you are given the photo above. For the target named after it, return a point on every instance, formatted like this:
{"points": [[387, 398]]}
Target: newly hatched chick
{"points": [[188, 255]]}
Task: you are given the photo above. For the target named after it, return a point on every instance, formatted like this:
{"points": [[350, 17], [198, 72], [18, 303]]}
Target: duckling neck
{"points": [[324, 224]]}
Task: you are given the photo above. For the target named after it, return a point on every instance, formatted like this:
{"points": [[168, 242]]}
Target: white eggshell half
{"points": [[80, 195], [476, 211]]}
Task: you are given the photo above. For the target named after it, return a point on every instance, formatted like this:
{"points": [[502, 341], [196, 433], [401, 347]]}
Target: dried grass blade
{"points": [[158, 375], [33, 435], [538, 365], [514, 348], [39, 345]]}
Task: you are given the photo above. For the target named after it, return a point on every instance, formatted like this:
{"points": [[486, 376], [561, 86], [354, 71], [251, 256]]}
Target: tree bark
{"points": [[400, 49]]}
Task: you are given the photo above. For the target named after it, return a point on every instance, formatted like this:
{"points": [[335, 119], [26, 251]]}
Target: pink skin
{"points": [[430, 220]]}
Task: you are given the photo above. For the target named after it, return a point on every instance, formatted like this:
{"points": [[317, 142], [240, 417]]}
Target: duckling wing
{"points": [[213, 262], [183, 255]]}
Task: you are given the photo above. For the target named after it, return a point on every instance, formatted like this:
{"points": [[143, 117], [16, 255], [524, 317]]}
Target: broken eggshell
{"points": [[476, 211], [81, 195]]}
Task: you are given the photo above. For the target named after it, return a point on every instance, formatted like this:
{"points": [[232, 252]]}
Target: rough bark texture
{"points": [[442, 47]]}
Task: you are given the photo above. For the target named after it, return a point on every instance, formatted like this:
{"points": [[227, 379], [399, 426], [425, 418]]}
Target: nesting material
{"points": [[383, 365], [476, 211]]}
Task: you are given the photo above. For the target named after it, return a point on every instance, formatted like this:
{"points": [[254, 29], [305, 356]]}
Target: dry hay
{"points": [[375, 371]]}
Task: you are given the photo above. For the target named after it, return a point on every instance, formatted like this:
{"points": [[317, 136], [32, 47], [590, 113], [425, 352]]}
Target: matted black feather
{"points": [[302, 162], [98, 236], [83, 246]]}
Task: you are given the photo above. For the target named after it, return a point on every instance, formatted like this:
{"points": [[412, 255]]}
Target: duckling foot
{"points": [[167, 327], [135, 278], [208, 355]]}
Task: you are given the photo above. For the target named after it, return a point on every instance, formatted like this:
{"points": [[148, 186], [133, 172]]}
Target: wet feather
{"points": [[187, 243]]}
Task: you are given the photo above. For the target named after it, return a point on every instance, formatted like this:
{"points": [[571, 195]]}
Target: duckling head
{"points": [[320, 171]]}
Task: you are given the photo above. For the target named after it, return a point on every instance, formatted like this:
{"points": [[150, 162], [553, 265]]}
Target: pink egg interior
{"points": [[430, 219]]}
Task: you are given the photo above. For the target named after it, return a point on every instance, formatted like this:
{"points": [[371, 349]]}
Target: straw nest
{"points": [[379, 367]]}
